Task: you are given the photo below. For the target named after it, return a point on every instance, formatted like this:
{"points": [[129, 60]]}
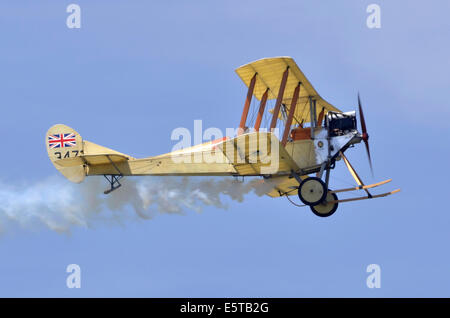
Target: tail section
{"points": [[63, 142], [72, 156]]}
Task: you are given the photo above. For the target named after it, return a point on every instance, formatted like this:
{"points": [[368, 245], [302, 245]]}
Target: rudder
{"points": [[63, 142]]}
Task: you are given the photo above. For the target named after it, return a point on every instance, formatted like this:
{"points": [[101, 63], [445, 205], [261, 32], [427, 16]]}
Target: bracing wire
{"points": [[253, 111], [266, 113]]}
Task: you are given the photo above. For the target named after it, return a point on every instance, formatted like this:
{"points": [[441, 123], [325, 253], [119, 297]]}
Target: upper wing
{"points": [[269, 73]]}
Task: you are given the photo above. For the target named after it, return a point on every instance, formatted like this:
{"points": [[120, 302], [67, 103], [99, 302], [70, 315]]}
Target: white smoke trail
{"points": [[60, 205]]}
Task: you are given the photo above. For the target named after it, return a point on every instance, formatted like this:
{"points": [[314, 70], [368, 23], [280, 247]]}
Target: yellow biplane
{"points": [[315, 135]]}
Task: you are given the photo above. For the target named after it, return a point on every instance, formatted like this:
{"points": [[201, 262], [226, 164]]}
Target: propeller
{"points": [[365, 135]]}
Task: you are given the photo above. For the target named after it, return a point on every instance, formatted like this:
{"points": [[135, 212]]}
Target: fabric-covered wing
{"points": [[269, 73]]}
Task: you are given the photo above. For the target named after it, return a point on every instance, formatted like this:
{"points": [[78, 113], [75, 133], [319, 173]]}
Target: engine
{"points": [[341, 123]]}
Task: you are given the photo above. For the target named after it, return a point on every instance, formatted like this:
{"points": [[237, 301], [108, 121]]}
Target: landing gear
{"points": [[312, 191], [327, 207]]}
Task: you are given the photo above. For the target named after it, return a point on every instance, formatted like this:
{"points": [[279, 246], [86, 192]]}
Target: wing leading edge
{"points": [[269, 73]]}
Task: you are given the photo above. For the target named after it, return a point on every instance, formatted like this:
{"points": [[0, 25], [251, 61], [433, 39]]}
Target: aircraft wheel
{"points": [[312, 191], [325, 208]]}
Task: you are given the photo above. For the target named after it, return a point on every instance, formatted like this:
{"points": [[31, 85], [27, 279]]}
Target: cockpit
{"points": [[339, 124]]}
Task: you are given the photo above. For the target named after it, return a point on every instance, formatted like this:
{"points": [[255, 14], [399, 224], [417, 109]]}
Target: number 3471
{"points": [[67, 154]]}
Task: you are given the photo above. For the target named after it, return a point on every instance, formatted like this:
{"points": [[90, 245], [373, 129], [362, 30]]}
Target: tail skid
{"points": [[114, 182]]}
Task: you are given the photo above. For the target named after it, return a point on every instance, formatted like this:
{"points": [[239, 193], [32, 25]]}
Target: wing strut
{"points": [[287, 127], [312, 113], [262, 105], [248, 100], [276, 110]]}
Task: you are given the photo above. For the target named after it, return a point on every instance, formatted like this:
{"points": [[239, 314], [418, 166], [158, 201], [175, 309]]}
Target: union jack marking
{"points": [[61, 140]]}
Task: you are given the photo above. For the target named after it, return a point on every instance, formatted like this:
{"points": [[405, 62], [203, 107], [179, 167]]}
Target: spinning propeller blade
{"points": [[365, 135]]}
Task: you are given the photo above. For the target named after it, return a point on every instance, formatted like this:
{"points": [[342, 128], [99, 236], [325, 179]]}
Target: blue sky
{"points": [[135, 71]]}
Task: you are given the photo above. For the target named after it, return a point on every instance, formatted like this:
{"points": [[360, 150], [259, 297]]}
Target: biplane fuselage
{"points": [[286, 162]]}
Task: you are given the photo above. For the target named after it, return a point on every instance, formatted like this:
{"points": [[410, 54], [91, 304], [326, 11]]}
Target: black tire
{"points": [[312, 186], [325, 209]]}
